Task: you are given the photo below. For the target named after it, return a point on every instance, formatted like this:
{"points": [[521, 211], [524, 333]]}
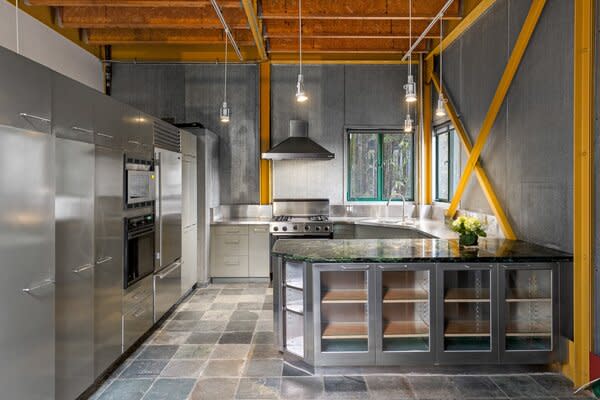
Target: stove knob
{"points": [[317, 228], [326, 229], [284, 228], [295, 227], [306, 227], [275, 228]]}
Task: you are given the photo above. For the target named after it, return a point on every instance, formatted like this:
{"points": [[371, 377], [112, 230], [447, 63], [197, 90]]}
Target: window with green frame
{"points": [[380, 164], [446, 160]]}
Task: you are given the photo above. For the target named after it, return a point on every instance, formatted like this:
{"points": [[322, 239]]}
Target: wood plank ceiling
{"points": [[337, 28]]}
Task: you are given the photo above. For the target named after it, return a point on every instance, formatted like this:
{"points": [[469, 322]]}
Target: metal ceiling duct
{"points": [[298, 146]]}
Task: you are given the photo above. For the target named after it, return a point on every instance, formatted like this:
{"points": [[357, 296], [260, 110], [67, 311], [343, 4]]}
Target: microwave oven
{"points": [[140, 183]]}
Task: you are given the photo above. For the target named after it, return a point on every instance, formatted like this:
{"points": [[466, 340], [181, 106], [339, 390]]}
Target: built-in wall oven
{"points": [[139, 248], [139, 182]]}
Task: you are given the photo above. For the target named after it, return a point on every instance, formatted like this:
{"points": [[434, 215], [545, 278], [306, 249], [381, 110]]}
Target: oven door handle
{"points": [[135, 235]]}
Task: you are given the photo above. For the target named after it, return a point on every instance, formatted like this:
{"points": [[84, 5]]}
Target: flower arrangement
{"points": [[469, 230]]}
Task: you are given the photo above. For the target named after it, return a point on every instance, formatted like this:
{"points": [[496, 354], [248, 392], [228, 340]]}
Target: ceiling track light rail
{"points": [[234, 44]]}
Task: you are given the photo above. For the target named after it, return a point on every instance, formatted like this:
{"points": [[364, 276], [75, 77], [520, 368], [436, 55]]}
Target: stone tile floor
{"points": [[218, 345]]}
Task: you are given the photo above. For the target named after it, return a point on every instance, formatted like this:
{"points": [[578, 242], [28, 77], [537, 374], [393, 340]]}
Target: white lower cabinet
{"points": [[239, 251], [189, 258]]}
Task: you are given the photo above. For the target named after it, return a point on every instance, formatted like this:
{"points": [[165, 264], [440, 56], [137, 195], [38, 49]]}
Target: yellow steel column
{"points": [[578, 367], [427, 155], [265, 131], [509, 72]]}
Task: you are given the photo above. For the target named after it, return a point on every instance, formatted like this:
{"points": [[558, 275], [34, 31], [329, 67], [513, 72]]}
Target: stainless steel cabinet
{"points": [[167, 289], [168, 207], [27, 262], [138, 311], [109, 122], [74, 225], [25, 91], [72, 109], [108, 285], [345, 321], [406, 310]]}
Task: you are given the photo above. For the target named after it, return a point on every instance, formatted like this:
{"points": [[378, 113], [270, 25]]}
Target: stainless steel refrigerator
{"points": [[167, 265]]}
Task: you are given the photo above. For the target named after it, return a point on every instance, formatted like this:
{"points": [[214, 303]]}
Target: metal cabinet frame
{"points": [[528, 356], [466, 356], [412, 356], [345, 358]]}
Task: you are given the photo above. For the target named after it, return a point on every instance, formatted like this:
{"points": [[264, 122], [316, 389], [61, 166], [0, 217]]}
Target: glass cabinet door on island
{"points": [[293, 307], [344, 328], [404, 331], [528, 302], [466, 318]]}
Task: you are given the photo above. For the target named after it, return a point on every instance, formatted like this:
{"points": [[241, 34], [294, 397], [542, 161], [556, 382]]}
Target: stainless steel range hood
{"points": [[298, 146]]}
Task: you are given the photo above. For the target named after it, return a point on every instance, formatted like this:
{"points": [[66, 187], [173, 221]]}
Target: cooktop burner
{"points": [[311, 218]]}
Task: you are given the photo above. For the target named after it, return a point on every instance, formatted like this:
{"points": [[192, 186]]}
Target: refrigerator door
{"points": [[168, 207], [167, 289], [27, 264], [74, 224], [108, 272]]}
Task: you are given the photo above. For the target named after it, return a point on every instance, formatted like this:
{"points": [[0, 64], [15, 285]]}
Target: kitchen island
{"points": [[366, 302]]}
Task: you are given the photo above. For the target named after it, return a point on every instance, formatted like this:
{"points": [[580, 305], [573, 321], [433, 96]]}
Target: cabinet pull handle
{"points": [[27, 116], [168, 271], [103, 260], [104, 135], [139, 313], [83, 268], [42, 284], [232, 263], [232, 242], [78, 129], [146, 145], [260, 229], [356, 268], [134, 142]]}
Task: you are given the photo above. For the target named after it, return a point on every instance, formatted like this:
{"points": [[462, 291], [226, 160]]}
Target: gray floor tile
{"points": [[555, 384], [203, 338], [144, 369], [203, 306], [229, 292], [352, 384], [170, 389], [264, 338], [230, 351], [249, 306], [158, 352], [264, 325], [193, 351], [263, 368], [389, 387], [240, 326], [305, 388], [244, 316], [258, 290], [188, 315], [473, 387], [180, 326], [258, 388], [217, 315], [183, 368], [236, 338], [215, 388], [267, 307], [126, 389], [224, 368], [210, 326], [262, 351], [167, 337], [292, 371], [433, 387], [519, 386], [223, 306]]}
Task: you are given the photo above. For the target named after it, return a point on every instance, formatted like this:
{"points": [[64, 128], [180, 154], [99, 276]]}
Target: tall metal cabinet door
{"points": [[27, 264], [24, 92], [170, 205], [74, 225], [108, 274], [72, 109]]}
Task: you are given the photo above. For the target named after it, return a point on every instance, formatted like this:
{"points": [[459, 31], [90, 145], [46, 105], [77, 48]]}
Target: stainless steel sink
{"points": [[393, 221]]}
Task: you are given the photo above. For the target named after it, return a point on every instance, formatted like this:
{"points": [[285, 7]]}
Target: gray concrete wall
{"points": [[528, 155], [340, 96], [194, 93]]}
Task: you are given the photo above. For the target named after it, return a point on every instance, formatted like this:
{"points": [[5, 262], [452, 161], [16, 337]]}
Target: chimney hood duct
{"points": [[298, 146]]}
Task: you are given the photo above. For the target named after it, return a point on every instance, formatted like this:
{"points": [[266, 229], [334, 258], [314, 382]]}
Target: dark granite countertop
{"points": [[414, 250]]}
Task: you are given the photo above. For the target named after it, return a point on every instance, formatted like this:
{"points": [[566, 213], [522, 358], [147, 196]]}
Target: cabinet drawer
{"points": [[235, 245], [229, 267], [137, 322], [137, 294], [230, 230]]}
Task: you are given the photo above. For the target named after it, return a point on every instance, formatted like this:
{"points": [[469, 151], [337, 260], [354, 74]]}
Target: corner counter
{"points": [[419, 302]]}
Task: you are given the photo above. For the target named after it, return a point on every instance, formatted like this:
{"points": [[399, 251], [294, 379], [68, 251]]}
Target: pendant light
{"points": [[301, 96], [408, 122], [440, 110], [411, 86], [225, 112]]}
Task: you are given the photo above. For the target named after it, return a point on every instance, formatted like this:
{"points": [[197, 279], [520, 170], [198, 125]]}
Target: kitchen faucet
{"points": [[392, 195]]}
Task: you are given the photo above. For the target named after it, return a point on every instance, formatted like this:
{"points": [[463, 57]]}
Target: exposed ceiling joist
{"points": [[154, 36], [354, 17], [344, 51], [346, 27], [357, 35], [133, 3], [376, 45], [255, 27]]}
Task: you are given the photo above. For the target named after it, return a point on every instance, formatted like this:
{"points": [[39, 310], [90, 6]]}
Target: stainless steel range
{"points": [[301, 218]]}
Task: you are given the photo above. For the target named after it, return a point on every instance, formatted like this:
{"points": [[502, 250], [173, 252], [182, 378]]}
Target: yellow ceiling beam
{"points": [[427, 148], [463, 25], [484, 182], [578, 366], [255, 28], [265, 132], [509, 72]]}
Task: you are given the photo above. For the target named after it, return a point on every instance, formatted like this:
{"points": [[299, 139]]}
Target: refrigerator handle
{"points": [[158, 204]]}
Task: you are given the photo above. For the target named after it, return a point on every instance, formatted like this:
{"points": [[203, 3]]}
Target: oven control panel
{"points": [[287, 228]]}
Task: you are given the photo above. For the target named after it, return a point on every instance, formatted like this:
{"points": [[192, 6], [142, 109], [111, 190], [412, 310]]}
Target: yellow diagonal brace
{"points": [[509, 72], [255, 28], [485, 183]]}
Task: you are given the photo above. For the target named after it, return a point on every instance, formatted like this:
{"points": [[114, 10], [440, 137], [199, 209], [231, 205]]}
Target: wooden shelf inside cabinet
{"points": [[467, 295], [405, 329], [405, 295], [345, 330], [523, 295], [344, 296], [526, 328], [466, 328]]}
